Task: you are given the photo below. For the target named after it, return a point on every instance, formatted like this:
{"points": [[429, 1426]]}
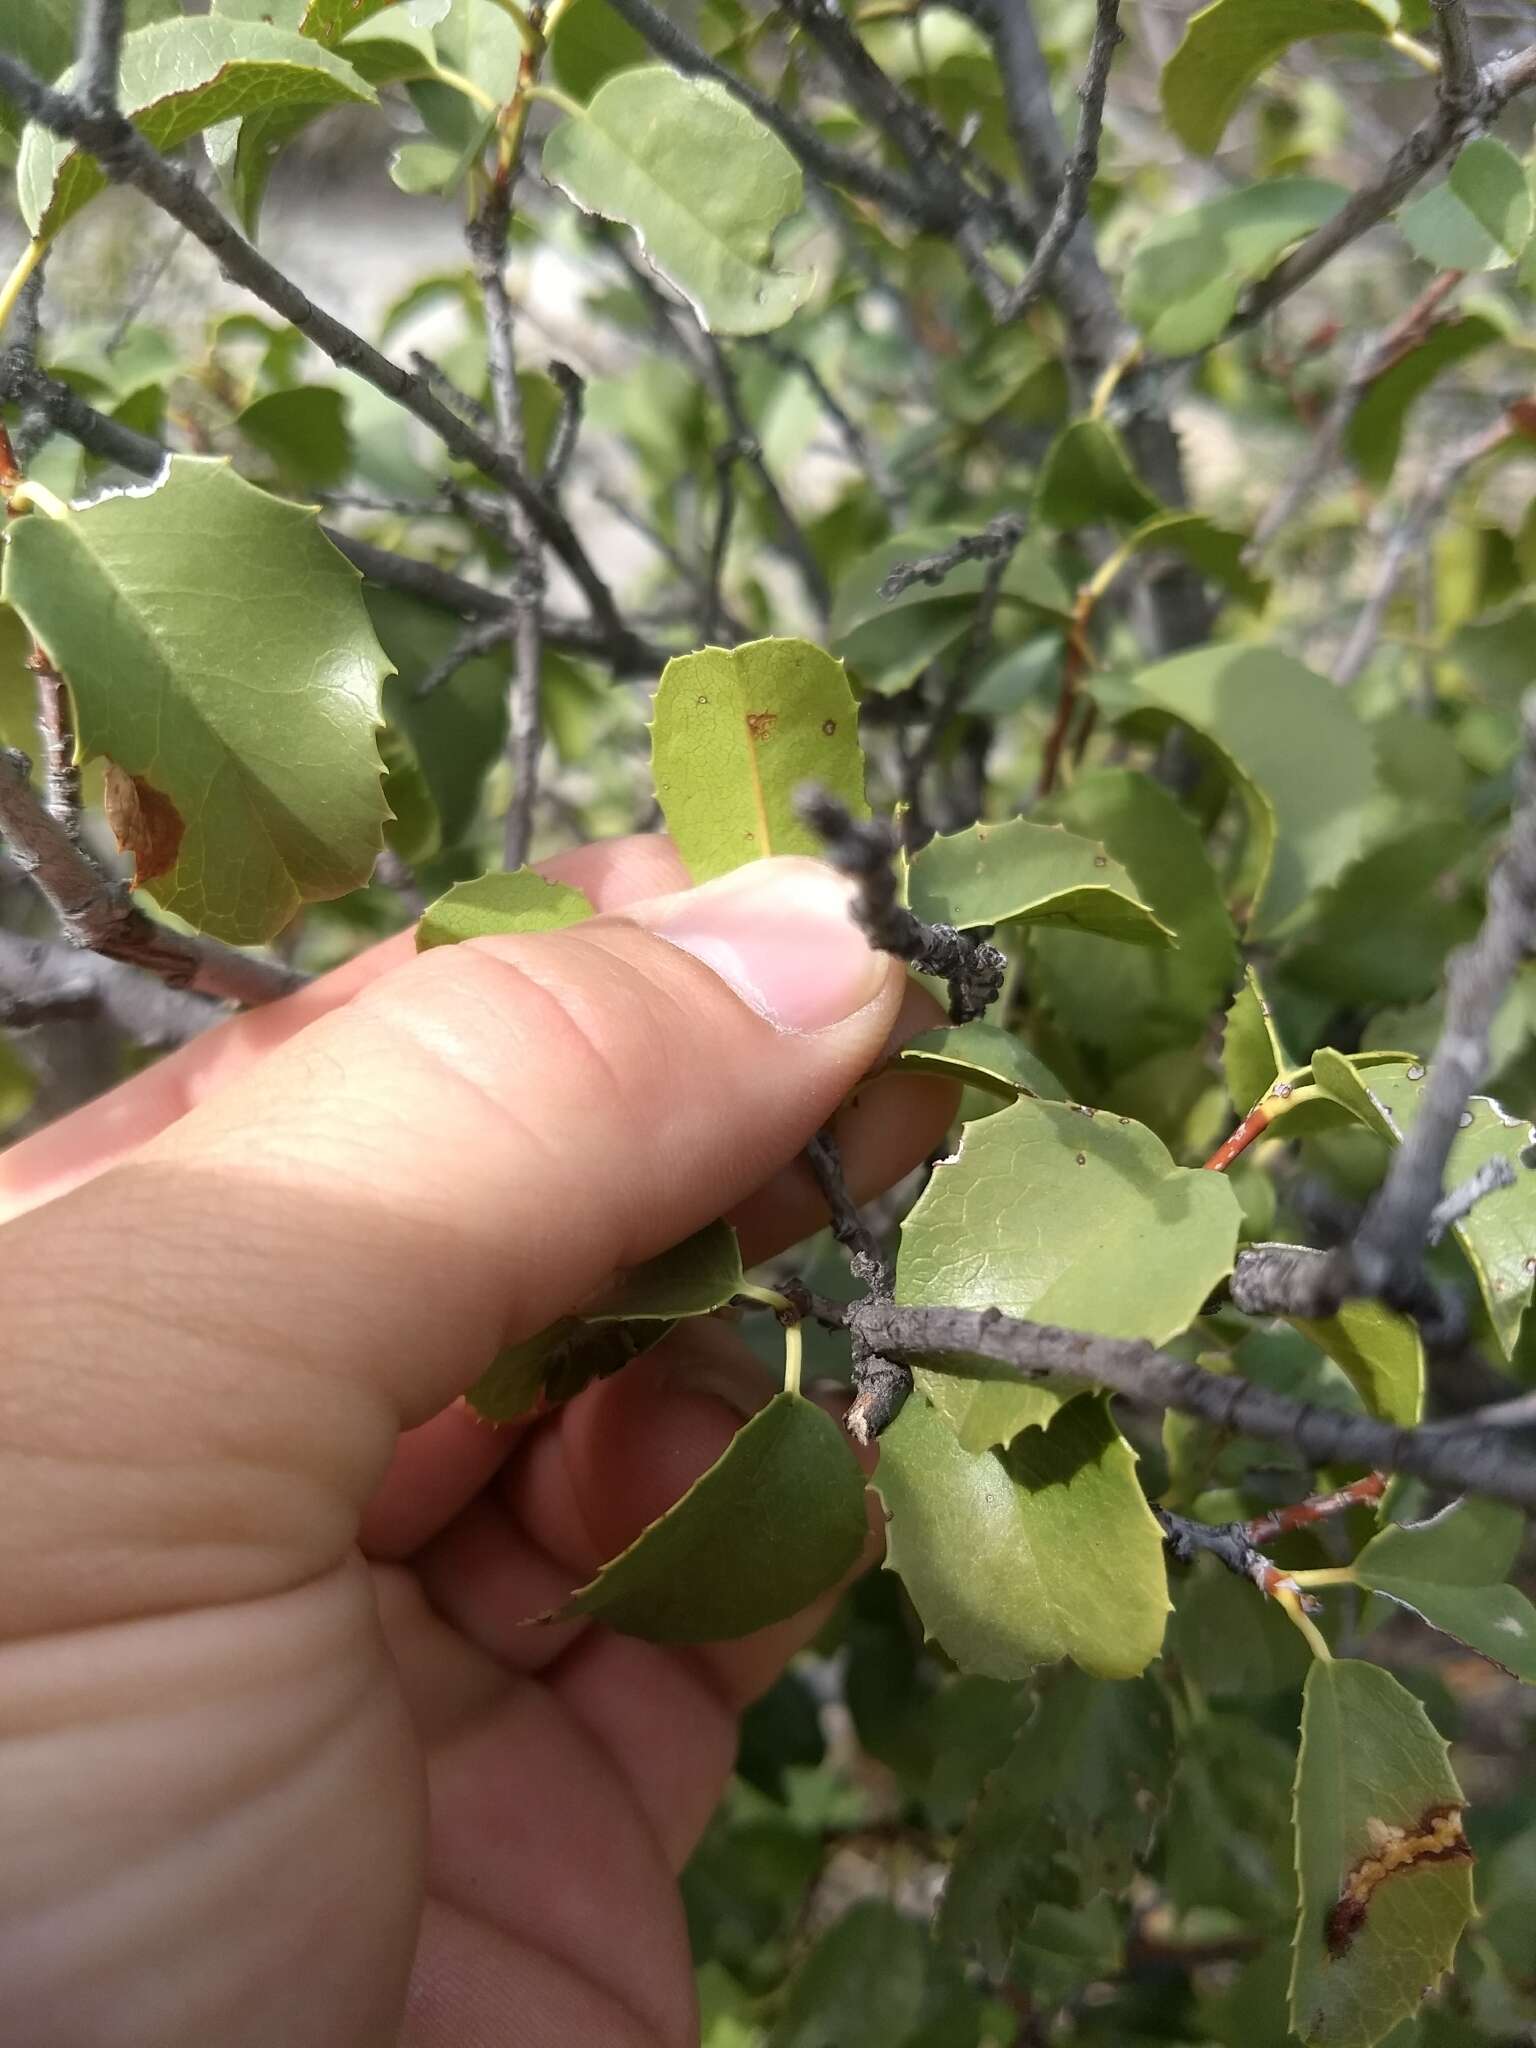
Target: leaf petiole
{"points": [[16, 283], [1326, 1575], [794, 1355], [1297, 1614]]}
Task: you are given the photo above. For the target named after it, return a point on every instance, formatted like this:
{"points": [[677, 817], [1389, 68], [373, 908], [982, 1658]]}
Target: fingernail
{"points": [[780, 935]]}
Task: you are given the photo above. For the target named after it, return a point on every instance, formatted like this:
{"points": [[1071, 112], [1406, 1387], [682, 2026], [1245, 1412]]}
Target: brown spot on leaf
{"points": [[144, 822], [829, 726], [761, 723], [1436, 1837]]}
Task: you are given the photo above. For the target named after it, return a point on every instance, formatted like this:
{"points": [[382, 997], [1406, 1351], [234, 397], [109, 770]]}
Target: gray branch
{"points": [[1406, 542], [1430, 143], [41, 980], [96, 913], [1080, 170], [1459, 87], [99, 53], [1471, 1460]]}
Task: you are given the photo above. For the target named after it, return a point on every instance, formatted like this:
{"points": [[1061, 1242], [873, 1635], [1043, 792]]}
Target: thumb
{"points": [[209, 1351]]}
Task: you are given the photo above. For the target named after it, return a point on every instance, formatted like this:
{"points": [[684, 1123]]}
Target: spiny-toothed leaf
{"points": [[1386, 1874], [1451, 1571], [1227, 45], [735, 733], [984, 1055], [1308, 807], [414, 832], [1499, 1234], [1067, 1216], [1479, 218], [1188, 271], [499, 903], [220, 655], [1030, 874], [1084, 1781], [702, 182], [1018, 1557], [179, 77], [1252, 1056], [775, 1521], [1131, 1005]]}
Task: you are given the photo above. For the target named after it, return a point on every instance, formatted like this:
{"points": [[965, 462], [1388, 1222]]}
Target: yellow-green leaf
{"points": [[735, 733], [1384, 1868], [1017, 1557], [701, 181]]}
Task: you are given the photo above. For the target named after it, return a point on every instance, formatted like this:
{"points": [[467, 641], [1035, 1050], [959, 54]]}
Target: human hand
{"points": [[279, 1763]]}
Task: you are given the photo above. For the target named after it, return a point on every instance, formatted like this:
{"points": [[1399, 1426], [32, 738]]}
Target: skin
{"points": [[280, 1758]]}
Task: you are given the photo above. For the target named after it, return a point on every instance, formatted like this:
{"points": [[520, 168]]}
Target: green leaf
{"points": [[457, 729], [589, 43], [861, 1986], [984, 1055], [557, 1363], [1451, 1570], [1252, 1056], [1216, 551], [702, 182], [178, 77], [1381, 933], [1031, 874], [492, 904], [1295, 751], [1130, 1005], [1017, 1557], [1189, 269], [1479, 218], [1082, 1785], [1087, 479], [775, 1521], [1380, 1351], [1375, 431], [1386, 1877], [415, 832], [1227, 45], [1497, 652], [735, 732], [1066, 1216], [695, 1277], [219, 652], [304, 431], [1496, 1236]]}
